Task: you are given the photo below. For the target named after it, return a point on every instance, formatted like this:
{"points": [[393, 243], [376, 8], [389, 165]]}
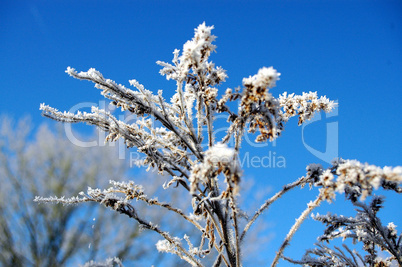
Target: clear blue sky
{"points": [[350, 51]]}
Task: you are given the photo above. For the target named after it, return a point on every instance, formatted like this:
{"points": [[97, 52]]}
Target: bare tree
{"points": [[182, 144], [42, 235]]}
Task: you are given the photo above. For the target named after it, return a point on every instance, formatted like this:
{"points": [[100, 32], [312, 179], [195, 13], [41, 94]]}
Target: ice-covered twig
{"points": [[356, 179], [310, 206], [109, 198], [286, 188], [367, 228]]}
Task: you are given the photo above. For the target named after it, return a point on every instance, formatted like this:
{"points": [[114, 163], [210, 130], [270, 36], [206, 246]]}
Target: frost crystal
{"points": [[265, 78]]}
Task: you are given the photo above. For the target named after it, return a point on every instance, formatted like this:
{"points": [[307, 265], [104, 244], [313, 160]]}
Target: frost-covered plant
{"points": [[365, 227], [199, 163]]}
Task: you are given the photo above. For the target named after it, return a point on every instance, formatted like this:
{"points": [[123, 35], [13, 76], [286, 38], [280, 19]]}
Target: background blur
{"points": [[349, 51]]}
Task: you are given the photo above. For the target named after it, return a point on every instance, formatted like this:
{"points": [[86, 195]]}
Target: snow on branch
{"points": [[355, 179], [264, 112], [304, 106], [367, 228], [109, 197]]}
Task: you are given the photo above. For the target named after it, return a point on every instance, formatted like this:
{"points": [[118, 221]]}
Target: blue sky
{"points": [[349, 51]]}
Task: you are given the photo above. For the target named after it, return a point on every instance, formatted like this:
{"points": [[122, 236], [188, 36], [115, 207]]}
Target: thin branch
{"points": [[295, 227], [209, 125], [169, 207], [267, 203], [236, 228], [130, 96], [185, 115]]}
